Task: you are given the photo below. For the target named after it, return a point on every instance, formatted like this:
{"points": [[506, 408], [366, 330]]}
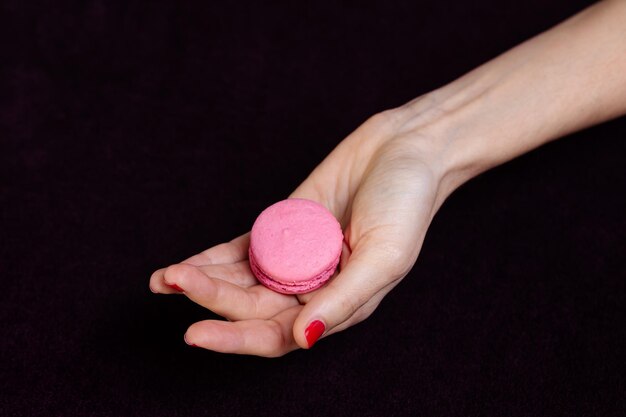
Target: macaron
{"points": [[295, 246]]}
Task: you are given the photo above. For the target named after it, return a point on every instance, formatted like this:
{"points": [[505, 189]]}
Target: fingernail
{"points": [[187, 341], [313, 332], [174, 286]]}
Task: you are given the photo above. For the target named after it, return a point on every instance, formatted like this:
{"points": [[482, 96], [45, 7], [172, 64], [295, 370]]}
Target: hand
{"points": [[383, 183], [388, 178]]}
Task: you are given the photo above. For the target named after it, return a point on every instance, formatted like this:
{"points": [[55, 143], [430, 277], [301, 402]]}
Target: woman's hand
{"points": [[388, 178], [383, 185]]}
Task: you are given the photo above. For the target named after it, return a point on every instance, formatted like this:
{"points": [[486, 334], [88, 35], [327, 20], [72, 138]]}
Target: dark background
{"points": [[134, 134]]}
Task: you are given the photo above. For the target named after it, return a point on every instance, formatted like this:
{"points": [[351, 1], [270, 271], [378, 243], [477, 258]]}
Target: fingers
{"points": [[368, 271], [227, 299], [230, 253], [238, 273], [158, 284], [270, 338], [225, 253]]}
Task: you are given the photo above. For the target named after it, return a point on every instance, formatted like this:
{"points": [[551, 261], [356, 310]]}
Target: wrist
{"points": [[477, 122], [561, 81], [448, 132]]}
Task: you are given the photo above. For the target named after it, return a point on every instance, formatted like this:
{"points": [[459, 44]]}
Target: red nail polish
{"points": [[174, 286], [313, 332]]}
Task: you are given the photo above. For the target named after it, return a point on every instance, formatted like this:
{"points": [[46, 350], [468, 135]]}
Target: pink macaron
{"points": [[295, 246]]}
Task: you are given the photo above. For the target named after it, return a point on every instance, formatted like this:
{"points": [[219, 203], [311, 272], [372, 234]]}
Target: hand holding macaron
{"points": [[381, 186], [386, 180]]}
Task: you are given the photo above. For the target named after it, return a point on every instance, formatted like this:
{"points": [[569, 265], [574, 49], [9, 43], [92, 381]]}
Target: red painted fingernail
{"points": [[313, 332], [174, 286]]}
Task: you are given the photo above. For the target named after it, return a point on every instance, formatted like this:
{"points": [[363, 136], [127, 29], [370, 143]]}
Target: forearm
{"points": [[563, 80]]}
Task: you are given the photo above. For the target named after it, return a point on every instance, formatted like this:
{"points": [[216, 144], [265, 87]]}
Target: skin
{"points": [[387, 179]]}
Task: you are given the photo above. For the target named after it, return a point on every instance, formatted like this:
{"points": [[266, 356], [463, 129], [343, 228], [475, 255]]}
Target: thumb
{"points": [[367, 272]]}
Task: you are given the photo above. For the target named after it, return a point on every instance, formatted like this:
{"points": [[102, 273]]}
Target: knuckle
{"points": [[379, 118], [347, 302], [276, 348], [362, 314], [387, 117], [381, 121]]}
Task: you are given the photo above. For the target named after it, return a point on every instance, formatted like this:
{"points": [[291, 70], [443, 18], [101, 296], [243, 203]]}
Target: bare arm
{"points": [[568, 78]]}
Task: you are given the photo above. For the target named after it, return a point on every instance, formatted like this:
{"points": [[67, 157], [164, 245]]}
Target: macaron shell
{"points": [[293, 288], [295, 245]]}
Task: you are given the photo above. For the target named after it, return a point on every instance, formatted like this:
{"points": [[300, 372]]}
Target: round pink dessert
{"points": [[295, 246]]}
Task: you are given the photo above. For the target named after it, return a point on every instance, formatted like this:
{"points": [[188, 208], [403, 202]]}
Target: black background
{"points": [[134, 134]]}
